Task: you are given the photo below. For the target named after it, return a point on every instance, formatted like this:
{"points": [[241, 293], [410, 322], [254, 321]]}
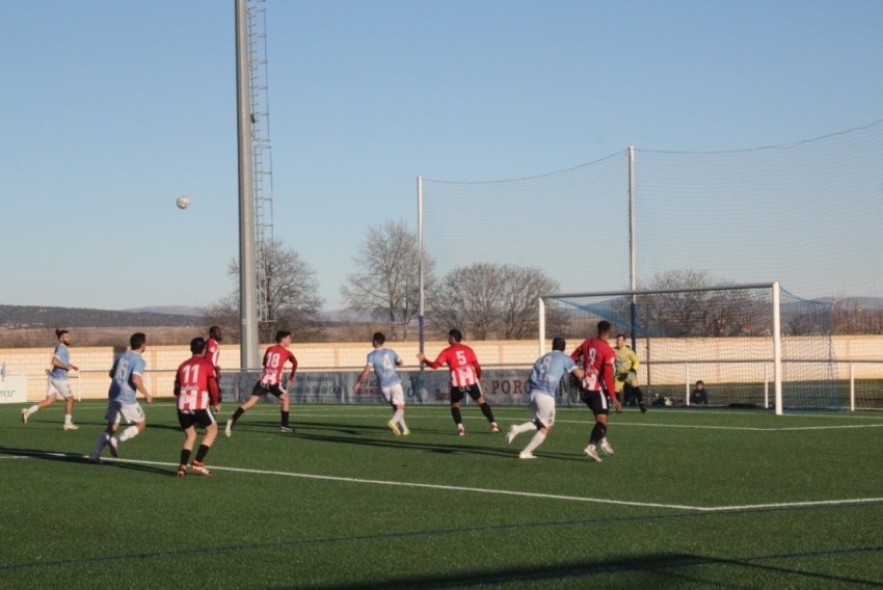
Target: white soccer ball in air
{"points": [[183, 202]]}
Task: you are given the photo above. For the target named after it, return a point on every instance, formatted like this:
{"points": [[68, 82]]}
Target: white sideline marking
{"points": [[313, 412], [745, 428], [742, 508]]}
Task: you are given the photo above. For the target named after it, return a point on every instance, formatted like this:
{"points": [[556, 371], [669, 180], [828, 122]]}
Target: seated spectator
{"points": [[699, 395]]}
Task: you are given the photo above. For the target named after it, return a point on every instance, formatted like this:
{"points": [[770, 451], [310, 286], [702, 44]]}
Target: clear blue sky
{"points": [[112, 109]]}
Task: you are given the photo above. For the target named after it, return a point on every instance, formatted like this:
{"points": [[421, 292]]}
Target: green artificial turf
{"points": [[693, 498]]}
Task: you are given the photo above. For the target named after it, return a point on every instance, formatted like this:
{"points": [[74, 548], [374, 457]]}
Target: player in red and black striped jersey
{"points": [[213, 350], [198, 397], [275, 359], [465, 376], [598, 361]]}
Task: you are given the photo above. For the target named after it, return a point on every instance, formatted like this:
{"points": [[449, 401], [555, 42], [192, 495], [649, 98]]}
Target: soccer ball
{"points": [[183, 202]]}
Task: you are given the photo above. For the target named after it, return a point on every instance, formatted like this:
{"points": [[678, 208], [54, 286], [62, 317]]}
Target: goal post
{"points": [[744, 341]]}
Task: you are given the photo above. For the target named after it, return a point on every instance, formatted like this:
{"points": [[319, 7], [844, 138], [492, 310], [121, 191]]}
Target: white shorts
{"points": [[543, 407], [131, 412], [394, 394], [60, 387]]}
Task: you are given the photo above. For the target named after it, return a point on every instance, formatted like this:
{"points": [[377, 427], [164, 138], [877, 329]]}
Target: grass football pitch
{"points": [[693, 498]]}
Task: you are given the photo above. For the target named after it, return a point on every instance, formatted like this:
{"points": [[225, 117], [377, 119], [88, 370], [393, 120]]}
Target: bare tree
{"points": [[700, 313], [491, 300], [386, 281], [290, 297]]}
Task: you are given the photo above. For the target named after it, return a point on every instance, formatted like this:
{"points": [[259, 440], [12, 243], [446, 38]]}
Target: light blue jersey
{"points": [[548, 371], [384, 361], [64, 356], [122, 389]]}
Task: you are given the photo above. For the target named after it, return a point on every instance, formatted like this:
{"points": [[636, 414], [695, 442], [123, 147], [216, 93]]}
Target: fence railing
{"points": [[846, 384]]}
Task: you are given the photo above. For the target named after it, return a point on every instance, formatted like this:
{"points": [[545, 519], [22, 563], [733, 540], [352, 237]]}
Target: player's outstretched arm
{"points": [[358, 384]]}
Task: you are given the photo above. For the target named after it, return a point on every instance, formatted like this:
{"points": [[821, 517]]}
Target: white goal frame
{"points": [[776, 331]]}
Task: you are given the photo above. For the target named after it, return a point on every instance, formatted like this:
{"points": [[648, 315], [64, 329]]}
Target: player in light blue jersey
{"points": [[57, 382], [384, 361], [543, 384], [126, 381]]}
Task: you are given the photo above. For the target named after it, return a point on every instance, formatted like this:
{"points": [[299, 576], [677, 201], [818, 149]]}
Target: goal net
{"points": [[751, 345]]}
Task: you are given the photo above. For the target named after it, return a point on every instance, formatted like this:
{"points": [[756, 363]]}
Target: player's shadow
{"points": [[168, 426], [362, 435], [258, 426], [63, 457], [411, 443], [137, 467], [42, 454], [658, 571]]}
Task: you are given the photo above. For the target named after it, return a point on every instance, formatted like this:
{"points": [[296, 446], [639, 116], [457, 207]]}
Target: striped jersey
{"points": [[462, 362], [274, 363], [213, 354], [598, 359], [195, 384]]}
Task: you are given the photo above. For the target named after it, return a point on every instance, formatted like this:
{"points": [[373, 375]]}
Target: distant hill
{"points": [[34, 316], [187, 310], [854, 302]]}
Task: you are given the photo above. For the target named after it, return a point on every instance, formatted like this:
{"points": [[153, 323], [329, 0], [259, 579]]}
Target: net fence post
{"points": [[852, 387], [421, 312], [766, 386], [633, 273], [687, 382], [541, 345], [777, 347]]}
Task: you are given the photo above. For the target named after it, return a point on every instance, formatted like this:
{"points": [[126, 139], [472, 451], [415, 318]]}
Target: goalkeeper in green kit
{"points": [[625, 373]]}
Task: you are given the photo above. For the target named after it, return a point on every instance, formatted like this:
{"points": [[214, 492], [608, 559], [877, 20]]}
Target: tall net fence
{"points": [[806, 215], [544, 222]]}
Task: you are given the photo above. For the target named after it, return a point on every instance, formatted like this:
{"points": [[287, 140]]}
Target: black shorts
{"points": [[201, 418], [597, 401], [457, 393], [264, 389]]}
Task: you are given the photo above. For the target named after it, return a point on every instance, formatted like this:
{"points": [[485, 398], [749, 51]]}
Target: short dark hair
{"points": [[603, 327], [59, 332], [558, 343], [137, 340], [620, 335], [282, 335], [215, 332], [379, 338], [197, 345], [455, 334], [700, 382]]}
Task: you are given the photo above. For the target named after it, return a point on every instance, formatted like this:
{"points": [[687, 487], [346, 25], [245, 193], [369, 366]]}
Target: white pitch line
{"points": [[737, 428], [743, 508], [331, 414]]}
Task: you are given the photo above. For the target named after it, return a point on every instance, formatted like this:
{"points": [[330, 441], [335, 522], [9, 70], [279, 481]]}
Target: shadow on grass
{"points": [[637, 571], [366, 435], [470, 444], [76, 458]]}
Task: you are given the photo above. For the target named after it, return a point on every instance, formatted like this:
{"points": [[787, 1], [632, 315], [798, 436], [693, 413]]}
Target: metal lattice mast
{"points": [[262, 162]]}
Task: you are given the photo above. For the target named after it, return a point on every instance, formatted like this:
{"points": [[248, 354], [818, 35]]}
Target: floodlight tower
{"points": [[255, 175], [261, 155]]}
